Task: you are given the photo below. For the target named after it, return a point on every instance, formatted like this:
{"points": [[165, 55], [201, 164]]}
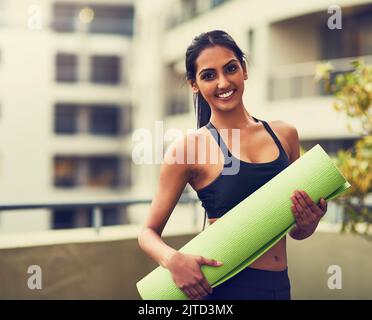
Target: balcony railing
{"points": [[298, 80], [97, 207]]}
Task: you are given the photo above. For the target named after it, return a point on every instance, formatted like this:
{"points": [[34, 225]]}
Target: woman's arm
{"points": [[174, 175], [185, 268]]}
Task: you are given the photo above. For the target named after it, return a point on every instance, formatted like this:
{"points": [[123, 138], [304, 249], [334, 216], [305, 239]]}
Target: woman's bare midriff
{"points": [[274, 259]]}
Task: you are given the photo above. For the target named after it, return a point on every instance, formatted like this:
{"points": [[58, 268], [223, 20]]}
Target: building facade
{"points": [[66, 109]]}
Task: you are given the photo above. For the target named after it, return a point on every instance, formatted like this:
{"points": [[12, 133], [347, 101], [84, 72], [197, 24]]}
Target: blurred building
{"points": [[66, 110]]}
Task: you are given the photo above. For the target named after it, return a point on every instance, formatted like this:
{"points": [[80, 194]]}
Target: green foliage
{"points": [[353, 96]]}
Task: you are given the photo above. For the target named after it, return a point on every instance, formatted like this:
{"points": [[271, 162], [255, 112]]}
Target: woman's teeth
{"points": [[226, 94]]}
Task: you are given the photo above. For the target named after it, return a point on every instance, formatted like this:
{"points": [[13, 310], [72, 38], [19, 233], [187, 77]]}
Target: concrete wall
{"points": [[110, 269]]}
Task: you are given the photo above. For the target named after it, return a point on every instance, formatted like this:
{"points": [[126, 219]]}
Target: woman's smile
{"points": [[226, 95]]}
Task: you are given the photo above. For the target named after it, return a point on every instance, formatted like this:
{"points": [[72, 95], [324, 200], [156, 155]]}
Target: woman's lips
{"points": [[226, 95]]}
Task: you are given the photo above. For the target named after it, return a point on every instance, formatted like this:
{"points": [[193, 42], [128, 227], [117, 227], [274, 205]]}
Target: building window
{"points": [[113, 216], [112, 20], [65, 120], [105, 120], [91, 171], [66, 172], [354, 39], [63, 218], [64, 18], [83, 217], [105, 20], [105, 69], [66, 67], [104, 172]]}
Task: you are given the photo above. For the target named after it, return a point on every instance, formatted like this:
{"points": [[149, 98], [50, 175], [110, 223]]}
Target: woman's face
{"points": [[220, 78]]}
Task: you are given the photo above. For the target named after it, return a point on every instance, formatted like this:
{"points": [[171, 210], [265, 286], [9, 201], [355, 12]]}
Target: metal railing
{"points": [[97, 207]]}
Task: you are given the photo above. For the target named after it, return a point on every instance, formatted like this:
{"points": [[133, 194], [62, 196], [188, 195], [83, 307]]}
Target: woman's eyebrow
{"points": [[209, 69]]}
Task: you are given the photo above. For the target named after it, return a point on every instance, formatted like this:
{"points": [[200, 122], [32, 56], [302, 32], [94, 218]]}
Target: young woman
{"points": [[216, 71]]}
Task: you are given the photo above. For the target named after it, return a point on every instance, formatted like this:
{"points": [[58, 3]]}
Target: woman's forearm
{"points": [[153, 245]]}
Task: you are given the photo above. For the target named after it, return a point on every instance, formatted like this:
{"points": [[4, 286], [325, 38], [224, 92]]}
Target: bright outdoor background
{"points": [[79, 77]]}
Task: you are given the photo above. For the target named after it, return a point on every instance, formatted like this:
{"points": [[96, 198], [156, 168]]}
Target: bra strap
{"points": [[273, 135], [226, 152]]}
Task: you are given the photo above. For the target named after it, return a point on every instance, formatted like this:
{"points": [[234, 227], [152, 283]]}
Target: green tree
{"points": [[353, 95]]}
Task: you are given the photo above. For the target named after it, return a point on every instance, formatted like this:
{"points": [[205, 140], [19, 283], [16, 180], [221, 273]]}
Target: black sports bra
{"points": [[227, 190]]}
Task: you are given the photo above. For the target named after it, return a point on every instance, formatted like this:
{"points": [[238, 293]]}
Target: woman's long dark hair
{"points": [[201, 42]]}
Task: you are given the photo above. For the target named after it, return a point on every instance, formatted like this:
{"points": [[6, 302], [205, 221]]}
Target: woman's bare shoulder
{"points": [[183, 151], [287, 133]]}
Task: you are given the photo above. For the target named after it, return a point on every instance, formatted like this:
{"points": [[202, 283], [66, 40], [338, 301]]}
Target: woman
{"points": [[216, 71]]}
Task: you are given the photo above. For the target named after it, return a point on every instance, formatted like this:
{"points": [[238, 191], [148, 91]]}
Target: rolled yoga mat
{"points": [[253, 226]]}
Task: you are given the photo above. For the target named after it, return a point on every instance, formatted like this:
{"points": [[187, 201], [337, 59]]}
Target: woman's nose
{"points": [[223, 82]]}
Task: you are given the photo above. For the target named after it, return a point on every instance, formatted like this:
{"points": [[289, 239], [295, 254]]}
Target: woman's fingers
{"points": [[206, 286], [297, 215], [304, 215], [305, 210], [201, 291], [188, 293], [323, 205], [194, 293], [309, 208]]}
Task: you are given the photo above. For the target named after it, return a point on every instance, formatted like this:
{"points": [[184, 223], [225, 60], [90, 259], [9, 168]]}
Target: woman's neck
{"points": [[237, 119]]}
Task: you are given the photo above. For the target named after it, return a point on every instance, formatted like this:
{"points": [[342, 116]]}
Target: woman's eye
{"points": [[231, 68], [207, 76]]}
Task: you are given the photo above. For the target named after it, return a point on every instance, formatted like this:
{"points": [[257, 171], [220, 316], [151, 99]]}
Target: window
{"points": [[91, 171], [105, 69], [104, 172], [354, 39], [63, 218], [112, 20], [65, 17], [65, 120], [106, 20], [72, 218], [66, 172], [66, 67], [83, 217], [112, 216], [105, 120]]}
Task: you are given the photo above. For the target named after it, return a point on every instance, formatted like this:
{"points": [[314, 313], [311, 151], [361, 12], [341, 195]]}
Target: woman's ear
{"points": [[194, 86]]}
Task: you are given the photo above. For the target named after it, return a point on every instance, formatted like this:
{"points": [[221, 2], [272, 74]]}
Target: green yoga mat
{"points": [[253, 226]]}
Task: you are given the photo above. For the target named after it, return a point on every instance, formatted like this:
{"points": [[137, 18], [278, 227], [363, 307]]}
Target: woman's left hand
{"points": [[307, 213]]}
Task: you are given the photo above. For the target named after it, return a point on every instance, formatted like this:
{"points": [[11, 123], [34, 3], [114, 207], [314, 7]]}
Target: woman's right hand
{"points": [[187, 274]]}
